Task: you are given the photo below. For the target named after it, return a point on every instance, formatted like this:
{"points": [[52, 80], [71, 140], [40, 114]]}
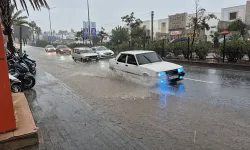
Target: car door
{"points": [[121, 62], [131, 65]]}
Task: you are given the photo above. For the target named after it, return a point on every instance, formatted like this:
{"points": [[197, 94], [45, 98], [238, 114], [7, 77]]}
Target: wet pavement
{"points": [[86, 106]]}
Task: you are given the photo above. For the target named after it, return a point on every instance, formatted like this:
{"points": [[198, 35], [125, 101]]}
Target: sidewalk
{"points": [[66, 122]]}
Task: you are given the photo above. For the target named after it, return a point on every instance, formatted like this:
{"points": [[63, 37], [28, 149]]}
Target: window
{"points": [[147, 58], [232, 15], [163, 25], [131, 60], [122, 58]]}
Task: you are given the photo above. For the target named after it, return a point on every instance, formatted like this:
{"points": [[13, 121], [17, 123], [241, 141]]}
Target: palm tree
{"points": [[38, 31], [9, 21], [6, 11], [33, 27]]}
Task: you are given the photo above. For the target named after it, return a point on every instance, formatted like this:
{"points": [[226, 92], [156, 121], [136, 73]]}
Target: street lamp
{"points": [[90, 39], [224, 33], [50, 20]]}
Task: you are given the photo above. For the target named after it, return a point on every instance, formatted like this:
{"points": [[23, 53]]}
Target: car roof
{"points": [[81, 48], [134, 52]]}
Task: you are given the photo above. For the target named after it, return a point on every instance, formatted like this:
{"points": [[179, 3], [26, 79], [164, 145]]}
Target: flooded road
{"points": [[209, 109]]}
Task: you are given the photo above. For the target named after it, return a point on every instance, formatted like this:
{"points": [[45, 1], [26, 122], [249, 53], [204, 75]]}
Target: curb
{"points": [[238, 67]]}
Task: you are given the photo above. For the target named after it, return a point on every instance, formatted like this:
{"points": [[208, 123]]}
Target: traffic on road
{"points": [[197, 111]]}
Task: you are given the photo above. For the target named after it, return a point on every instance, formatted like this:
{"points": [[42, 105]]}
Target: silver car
{"points": [[84, 54]]}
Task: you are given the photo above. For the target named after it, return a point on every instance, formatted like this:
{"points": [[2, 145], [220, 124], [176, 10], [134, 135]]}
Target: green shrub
{"points": [[40, 43], [234, 50], [179, 48], [202, 48]]}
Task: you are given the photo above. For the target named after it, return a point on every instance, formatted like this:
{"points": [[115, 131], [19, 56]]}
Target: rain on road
{"points": [[210, 107]]}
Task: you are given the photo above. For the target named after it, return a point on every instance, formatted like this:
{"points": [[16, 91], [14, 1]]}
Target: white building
{"points": [[232, 13], [147, 25], [162, 25]]}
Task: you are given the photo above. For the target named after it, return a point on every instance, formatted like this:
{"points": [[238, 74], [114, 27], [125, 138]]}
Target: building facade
{"points": [[175, 26], [232, 13]]}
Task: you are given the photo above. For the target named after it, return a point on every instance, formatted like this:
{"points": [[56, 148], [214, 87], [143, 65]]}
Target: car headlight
{"points": [[180, 70], [161, 74]]}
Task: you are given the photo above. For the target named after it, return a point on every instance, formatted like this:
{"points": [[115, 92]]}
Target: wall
{"points": [[160, 27], [147, 24], [241, 12]]}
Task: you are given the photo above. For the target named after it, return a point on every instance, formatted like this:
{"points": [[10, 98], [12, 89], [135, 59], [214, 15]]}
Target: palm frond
{"points": [[36, 4], [16, 14]]}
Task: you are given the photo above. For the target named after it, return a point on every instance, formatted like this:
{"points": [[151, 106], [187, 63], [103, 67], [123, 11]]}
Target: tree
{"points": [[199, 21], [237, 25], [33, 27], [5, 7], [131, 21], [119, 35], [14, 18], [136, 31], [102, 34], [38, 31]]}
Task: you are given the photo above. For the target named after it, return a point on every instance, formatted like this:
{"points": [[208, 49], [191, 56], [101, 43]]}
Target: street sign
{"points": [[93, 31], [93, 28], [51, 38], [85, 32]]}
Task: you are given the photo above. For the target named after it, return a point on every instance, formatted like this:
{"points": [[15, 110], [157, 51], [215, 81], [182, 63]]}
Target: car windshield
{"points": [[62, 46], [49, 46], [101, 48], [147, 58], [86, 51]]}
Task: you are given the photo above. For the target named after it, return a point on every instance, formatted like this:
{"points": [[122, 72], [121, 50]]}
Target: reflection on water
{"points": [[62, 58], [164, 89]]}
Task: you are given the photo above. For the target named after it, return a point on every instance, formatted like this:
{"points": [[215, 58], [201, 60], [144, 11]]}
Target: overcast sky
{"points": [[70, 14]]}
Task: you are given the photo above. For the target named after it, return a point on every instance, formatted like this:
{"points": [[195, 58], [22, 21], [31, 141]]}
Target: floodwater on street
{"points": [[209, 108]]}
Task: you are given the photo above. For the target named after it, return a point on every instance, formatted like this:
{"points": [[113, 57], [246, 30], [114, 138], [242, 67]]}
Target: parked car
{"points": [[103, 52], [146, 64], [63, 49], [50, 48], [84, 54]]}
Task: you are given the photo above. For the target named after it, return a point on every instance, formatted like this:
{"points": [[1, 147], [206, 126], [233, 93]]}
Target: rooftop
{"points": [[134, 52]]}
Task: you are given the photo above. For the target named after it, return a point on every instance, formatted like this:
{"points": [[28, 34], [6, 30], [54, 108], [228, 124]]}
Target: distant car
{"points": [[50, 48], [63, 49], [84, 54], [146, 64], [103, 52]]}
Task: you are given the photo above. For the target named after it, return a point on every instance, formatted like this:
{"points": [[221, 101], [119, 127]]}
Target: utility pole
{"points": [[90, 39], [152, 25]]}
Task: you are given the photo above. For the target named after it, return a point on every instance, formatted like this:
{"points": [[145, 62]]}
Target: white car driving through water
{"points": [[84, 54], [146, 64], [103, 52]]}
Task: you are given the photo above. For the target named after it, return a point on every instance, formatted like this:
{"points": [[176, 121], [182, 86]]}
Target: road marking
{"points": [[200, 81], [194, 135]]}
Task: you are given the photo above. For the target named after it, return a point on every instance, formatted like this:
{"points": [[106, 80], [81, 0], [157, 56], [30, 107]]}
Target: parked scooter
{"points": [[25, 57], [21, 59], [15, 84], [21, 71]]}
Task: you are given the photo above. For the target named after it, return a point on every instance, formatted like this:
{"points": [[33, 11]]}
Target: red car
{"points": [[63, 49]]}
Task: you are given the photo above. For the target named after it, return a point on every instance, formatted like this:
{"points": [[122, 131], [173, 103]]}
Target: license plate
{"points": [[173, 77]]}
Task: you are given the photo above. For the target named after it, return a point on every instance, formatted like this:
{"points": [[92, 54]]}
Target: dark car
{"points": [[50, 48], [63, 49]]}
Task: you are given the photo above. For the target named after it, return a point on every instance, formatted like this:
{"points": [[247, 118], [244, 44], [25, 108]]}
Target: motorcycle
{"points": [[25, 57], [15, 84], [21, 71], [28, 62]]}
